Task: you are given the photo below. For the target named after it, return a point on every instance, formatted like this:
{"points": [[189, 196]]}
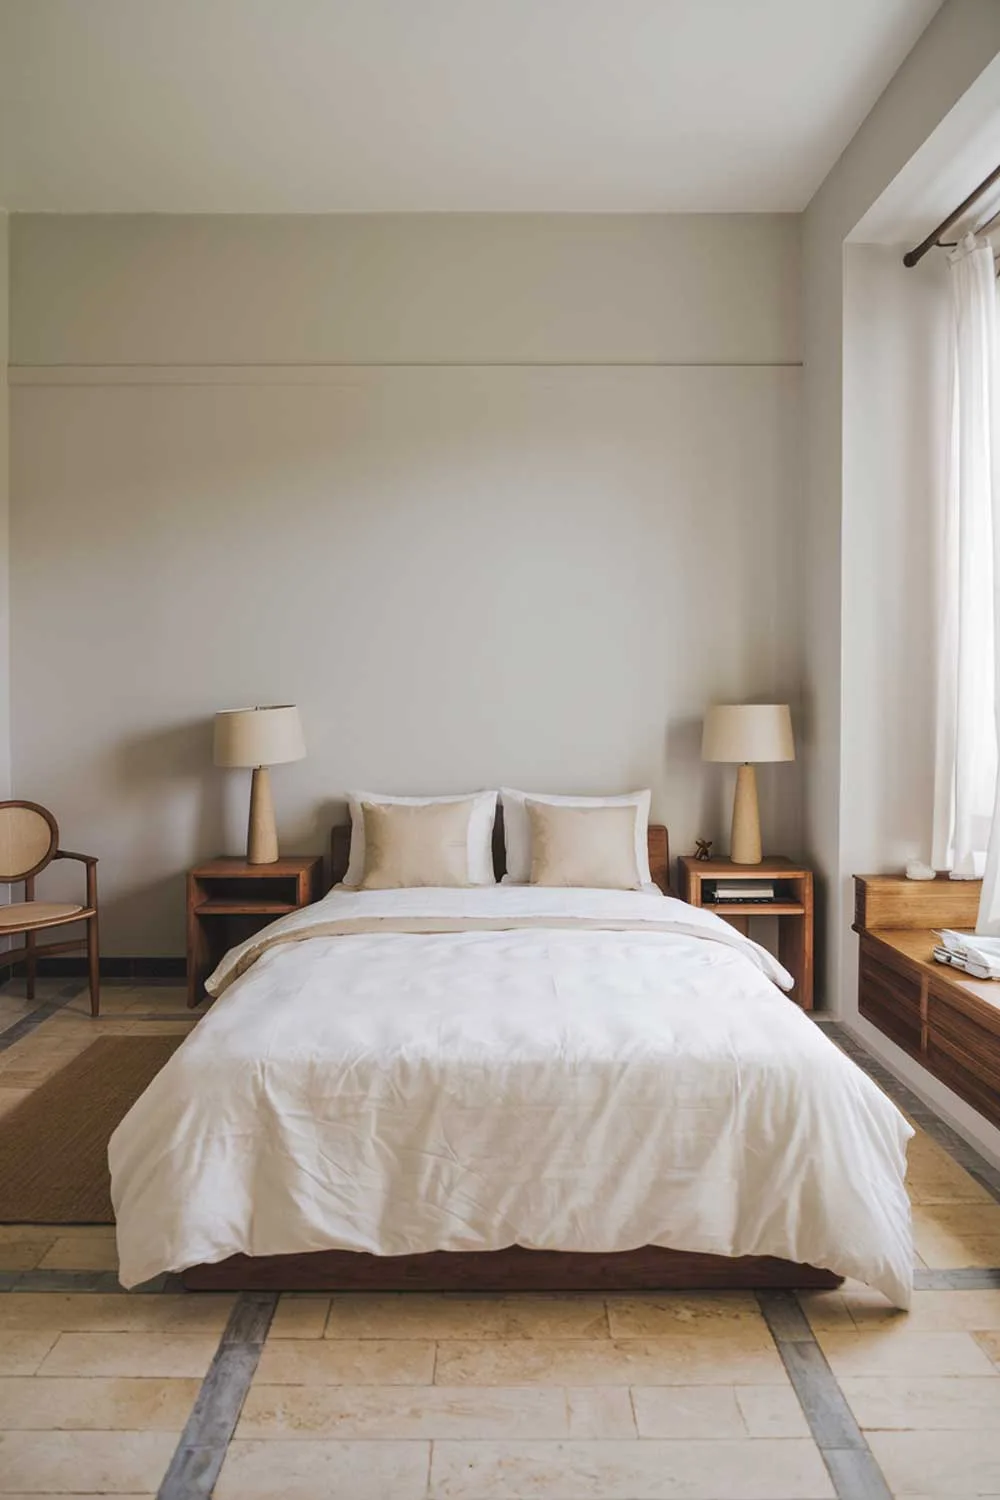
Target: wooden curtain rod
{"points": [[912, 256]]}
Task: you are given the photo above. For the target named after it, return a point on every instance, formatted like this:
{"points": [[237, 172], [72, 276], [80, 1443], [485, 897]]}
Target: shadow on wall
{"points": [[707, 798], [149, 765]]}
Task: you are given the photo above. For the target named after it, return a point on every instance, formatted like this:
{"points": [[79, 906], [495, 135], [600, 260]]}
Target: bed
{"points": [[509, 1088]]}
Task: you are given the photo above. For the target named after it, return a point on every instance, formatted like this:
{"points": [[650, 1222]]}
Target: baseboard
{"points": [[111, 968]]}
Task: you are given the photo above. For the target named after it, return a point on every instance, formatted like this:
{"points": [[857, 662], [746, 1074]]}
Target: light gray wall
{"points": [[491, 500], [957, 46], [434, 288]]}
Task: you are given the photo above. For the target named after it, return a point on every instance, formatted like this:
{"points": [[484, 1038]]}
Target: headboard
{"points": [[657, 841]]}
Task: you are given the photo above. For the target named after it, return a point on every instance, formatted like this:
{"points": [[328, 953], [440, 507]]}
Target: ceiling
{"points": [[320, 106]]}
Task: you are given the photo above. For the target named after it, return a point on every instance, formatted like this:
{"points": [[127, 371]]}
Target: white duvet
{"points": [[638, 1079]]}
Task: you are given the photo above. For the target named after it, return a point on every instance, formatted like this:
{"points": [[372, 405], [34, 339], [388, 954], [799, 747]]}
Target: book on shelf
{"points": [[743, 890]]}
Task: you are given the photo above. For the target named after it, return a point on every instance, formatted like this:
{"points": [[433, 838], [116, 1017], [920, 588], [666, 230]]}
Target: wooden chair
{"points": [[29, 840]]}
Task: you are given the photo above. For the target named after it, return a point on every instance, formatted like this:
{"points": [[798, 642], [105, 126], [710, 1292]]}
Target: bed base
{"points": [[650, 1268]]}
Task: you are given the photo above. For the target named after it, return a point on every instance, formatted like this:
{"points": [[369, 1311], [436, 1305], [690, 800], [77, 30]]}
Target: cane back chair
{"points": [[29, 840]]}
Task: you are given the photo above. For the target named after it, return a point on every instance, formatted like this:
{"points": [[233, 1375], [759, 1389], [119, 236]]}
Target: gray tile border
{"points": [[32, 1019], [45, 1280], [968, 1279], [835, 1431], [203, 1444]]}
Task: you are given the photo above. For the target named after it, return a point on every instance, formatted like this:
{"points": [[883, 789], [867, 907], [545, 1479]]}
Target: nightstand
{"points": [[228, 900], [792, 905]]}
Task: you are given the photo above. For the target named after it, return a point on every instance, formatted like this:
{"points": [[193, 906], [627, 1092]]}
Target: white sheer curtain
{"points": [[966, 809]]}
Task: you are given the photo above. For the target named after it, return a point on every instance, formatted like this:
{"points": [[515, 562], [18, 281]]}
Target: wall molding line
{"points": [[336, 373]]}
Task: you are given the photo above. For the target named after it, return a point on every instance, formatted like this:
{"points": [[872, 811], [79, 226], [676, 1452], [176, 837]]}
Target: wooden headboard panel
{"points": [[658, 842]]}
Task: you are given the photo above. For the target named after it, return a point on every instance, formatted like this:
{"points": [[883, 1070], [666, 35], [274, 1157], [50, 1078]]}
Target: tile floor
{"points": [[681, 1397]]}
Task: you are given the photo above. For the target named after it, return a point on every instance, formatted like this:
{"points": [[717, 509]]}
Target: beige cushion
{"points": [[583, 846], [408, 845], [36, 913]]}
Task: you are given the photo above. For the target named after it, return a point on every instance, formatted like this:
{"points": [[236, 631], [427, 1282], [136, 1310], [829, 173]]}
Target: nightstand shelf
{"points": [[228, 900], [792, 906], [755, 908]]}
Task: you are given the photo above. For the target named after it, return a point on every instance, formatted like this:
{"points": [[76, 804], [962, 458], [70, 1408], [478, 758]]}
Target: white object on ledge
{"points": [[917, 870]]}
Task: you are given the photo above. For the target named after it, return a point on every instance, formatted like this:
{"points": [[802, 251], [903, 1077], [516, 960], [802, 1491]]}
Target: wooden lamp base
{"points": [[262, 832], [744, 842]]}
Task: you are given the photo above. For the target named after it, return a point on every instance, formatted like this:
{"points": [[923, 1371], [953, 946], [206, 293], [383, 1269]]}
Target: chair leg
{"points": [[31, 963], [94, 966]]}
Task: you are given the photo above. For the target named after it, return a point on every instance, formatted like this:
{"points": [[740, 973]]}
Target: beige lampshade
{"points": [[258, 736], [748, 732]]}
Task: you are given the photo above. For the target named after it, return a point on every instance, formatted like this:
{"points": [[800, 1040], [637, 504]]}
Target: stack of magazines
{"points": [[979, 957]]}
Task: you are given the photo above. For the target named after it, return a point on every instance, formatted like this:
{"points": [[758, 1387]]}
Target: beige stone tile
{"points": [[958, 1234], [12, 1234], [772, 1411], [935, 1177], [25, 1254], [573, 1362], [21, 1353], [652, 1470], [11, 1098], [925, 1403], [299, 1316], [418, 1315], [689, 1411], [74, 1252], [140, 1354], [935, 1463], [989, 1342], [828, 1310], [133, 1405], [318, 1470], [92, 1312], [703, 1313], [898, 1350], [78, 1463], [347, 1362], [935, 1311], [302, 1412], [597, 1411], [35, 1495]]}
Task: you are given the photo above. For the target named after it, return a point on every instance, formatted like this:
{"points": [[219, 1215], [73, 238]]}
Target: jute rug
{"points": [[54, 1144]]}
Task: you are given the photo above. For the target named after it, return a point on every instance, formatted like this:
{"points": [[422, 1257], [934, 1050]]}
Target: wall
{"points": [[503, 499], [873, 421], [956, 47], [896, 351]]}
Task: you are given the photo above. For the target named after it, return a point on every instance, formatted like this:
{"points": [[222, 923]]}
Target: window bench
{"points": [[949, 1023]]}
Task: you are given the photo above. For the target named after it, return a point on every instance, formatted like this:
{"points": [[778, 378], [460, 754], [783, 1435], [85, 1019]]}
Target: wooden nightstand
{"points": [[793, 907], [228, 900]]}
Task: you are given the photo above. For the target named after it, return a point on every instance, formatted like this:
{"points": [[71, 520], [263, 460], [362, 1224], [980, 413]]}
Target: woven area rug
{"points": [[54, 1144]]}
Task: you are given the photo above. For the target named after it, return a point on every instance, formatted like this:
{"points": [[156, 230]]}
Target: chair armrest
{"points": [[90, 860], [87, 859]]}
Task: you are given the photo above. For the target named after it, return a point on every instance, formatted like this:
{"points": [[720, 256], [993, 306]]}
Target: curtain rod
{"points": [[912, 256]]}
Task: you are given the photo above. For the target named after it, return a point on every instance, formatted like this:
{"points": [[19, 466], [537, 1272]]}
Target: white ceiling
{"points": [[287, 106]]}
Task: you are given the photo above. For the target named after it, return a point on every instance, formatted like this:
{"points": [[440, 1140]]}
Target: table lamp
{"points": [[259, 737], [745, 733]]}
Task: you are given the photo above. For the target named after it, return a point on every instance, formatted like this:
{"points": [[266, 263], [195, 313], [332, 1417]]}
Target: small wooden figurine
{"points": [[703, 849]]}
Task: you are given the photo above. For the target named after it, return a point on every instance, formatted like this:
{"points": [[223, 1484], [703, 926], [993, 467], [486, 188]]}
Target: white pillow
{"points": [[481, 822], [517, 831]]}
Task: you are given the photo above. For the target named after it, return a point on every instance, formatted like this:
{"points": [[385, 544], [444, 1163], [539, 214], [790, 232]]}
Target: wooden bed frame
{"points": [[650, 1268]]}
